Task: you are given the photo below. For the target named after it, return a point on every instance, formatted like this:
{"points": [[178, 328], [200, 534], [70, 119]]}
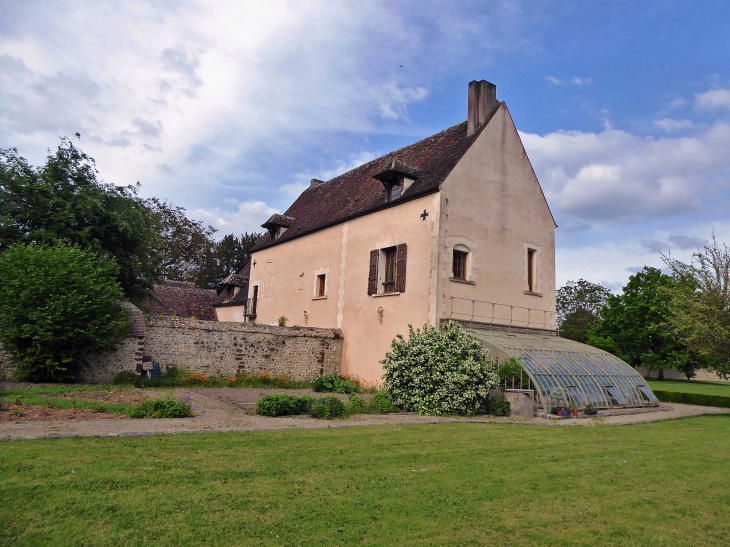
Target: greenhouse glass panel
{"points": [[646, 391], [616, 394]]}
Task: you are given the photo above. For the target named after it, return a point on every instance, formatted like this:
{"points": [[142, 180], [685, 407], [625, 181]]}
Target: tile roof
{"points": [[184, 300], [241, 280], [357, 192]]}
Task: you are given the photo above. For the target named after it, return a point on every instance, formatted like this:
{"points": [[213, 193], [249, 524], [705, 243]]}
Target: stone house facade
{"points": [[453, 226]]}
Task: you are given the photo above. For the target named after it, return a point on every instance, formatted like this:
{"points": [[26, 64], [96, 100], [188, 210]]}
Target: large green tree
{"points": [[700, 305], [63, 201], [58, 304], [634, 326], [579, 305]]}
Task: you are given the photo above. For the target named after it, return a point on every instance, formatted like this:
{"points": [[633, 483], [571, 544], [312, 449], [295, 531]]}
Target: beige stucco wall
{"points": [[286, 277], [492, 203], [229, 313]]}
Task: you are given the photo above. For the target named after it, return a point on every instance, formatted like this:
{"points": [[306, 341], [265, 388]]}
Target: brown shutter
{"points": [[373, 272], [400, 268]]}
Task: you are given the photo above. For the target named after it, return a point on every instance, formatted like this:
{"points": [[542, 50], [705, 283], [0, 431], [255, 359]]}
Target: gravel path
{"points": [[229, 409]]}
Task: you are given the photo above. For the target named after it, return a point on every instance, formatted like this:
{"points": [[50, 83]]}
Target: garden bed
{"points": [[28, 413]]}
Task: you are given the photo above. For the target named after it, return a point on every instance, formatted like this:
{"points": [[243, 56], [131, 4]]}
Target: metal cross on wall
{"points": [[424, 214], [254, 263]]}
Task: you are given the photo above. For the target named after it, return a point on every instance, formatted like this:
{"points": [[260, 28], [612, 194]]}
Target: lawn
{"points": [[683, 386], [58, 397], [664, 483]]}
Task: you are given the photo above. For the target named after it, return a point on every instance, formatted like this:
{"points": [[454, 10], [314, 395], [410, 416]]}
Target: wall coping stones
{"points": [[233, 326]]}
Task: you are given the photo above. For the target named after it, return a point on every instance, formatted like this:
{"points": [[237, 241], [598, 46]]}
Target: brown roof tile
{"points": [[184, 300], [357, 192]]}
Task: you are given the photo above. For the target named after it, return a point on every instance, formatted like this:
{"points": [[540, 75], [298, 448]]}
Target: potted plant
{"points": [[590, 410], [573, 409]]}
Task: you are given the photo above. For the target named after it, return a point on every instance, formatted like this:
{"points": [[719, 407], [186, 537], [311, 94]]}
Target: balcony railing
{"points": [[503, 315]]}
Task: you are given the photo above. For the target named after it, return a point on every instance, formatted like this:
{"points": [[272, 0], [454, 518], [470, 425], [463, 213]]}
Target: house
{"points": [[230, 303], [452, 226], [182, 299]]}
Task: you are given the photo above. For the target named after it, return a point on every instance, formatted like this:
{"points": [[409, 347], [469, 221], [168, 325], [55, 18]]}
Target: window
{"points": [[387, 270], [321, 278], [531, 270], [389, 282], [394, 191], [230, 291], [459, 265]]}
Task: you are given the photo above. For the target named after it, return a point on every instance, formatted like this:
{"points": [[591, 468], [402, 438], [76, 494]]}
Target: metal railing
{"points": [[495, 314]]}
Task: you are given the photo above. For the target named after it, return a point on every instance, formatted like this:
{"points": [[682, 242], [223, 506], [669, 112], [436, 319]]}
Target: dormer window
{"points": [[396, 176], [394, 190], [277, 225]]}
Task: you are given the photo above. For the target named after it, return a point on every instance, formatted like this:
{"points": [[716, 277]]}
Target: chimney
{"points": [[482, 100], [315, 182]]}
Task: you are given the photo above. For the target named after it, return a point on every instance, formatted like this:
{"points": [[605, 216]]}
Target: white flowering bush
{"points": [[437, 372]]}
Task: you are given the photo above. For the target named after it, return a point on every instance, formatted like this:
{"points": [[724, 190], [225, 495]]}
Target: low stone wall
{"points": [[228, 348], [671, 374], [214, 348]]}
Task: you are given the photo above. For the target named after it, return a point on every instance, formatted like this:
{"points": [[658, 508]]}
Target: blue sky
{"points": [[229, 108]]}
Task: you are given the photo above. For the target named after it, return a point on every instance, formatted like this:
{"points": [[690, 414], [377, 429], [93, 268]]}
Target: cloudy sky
{"points": [[228, 108]]}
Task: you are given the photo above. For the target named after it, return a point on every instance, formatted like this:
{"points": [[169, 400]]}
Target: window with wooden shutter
{"points": [[400, 268], [389, 278], [373, 272]]}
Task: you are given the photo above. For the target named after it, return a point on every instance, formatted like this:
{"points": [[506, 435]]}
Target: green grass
{"points": [[682, 386], [664, 483]]}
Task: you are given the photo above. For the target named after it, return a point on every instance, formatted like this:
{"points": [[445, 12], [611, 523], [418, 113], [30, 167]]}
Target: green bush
{"points": [[58, 305], [278, 404], [437, 372], [163, 408], [329, 408], [333, 383], [692, 398], [356, 404], [382, 403], [497, 406]]}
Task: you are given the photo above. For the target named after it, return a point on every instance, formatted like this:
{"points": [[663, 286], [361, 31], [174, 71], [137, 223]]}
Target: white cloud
{"points": [[677, 102], [582, 81], [246, 216], [553, 80], [672, 126], [713, 99], [615, 175]]}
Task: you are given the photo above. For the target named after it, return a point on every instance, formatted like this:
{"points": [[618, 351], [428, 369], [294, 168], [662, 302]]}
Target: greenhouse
{"points": [[561, 371]]}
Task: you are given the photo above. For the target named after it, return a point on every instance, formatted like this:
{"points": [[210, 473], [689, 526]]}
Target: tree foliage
{"points": [[634, 325], [62, 201], [57, 304], [579, 305], [700, 304]]}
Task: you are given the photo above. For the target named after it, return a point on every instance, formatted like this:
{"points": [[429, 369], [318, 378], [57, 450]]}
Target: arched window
{"points": [[461, 263]]}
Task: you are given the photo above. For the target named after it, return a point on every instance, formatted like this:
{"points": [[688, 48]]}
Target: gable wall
{"points": [[286, 277], [492, 203]]}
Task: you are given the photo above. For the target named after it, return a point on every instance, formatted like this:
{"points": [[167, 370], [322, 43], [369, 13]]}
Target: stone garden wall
{"points": [[217, 348]]}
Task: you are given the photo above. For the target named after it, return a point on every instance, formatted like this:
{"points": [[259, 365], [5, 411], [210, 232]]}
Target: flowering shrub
{"points": [[436, 372]]}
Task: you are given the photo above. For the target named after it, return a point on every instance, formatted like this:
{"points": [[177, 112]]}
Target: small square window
{"points": [[459, 265], [394, 191], [321, 279]]}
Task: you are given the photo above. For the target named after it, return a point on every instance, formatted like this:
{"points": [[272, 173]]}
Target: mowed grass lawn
{"points": [[665, 483], [683, 386]]}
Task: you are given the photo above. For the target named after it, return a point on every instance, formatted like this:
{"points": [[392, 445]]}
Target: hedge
{"points": [[692, 398]]}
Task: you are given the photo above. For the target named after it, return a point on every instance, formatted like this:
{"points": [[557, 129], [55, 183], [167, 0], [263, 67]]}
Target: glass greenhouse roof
{"points": [[562, 371]]}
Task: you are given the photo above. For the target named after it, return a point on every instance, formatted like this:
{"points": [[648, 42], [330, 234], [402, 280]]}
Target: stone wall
{"points": [[214, 348], [671, 374], [228, 348]]}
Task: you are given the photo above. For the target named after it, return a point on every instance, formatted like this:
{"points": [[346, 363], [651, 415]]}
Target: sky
{"points": [[229, 108]]}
